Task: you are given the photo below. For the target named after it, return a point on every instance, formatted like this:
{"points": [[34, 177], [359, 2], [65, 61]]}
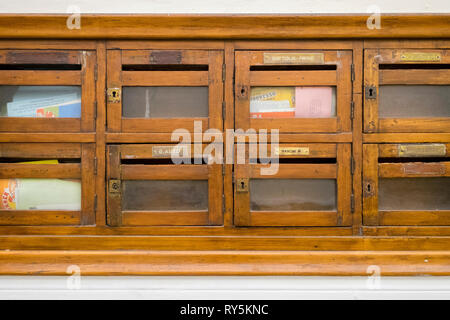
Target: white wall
{"points": [[224, 6]]}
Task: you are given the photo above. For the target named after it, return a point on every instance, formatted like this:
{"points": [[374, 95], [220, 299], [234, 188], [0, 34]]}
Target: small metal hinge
{"points": [[352, 203], [95, 110], [95, 166], [352, 165], [113, 95], [223, 202], [224, 111], [224, 72], [352, 67], [95, 202], [95, 73], [352, 110]]}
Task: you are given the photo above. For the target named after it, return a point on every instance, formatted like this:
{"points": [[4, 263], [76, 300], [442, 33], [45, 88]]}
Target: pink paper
{"points": [[313, 102]]}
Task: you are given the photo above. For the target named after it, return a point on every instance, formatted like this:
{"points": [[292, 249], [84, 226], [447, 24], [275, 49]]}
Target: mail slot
{"points": [[293, 91], [148, 186], [47, 91], [158, 91], [406, 184], [407, 90], [47, 184], [294, 185]]}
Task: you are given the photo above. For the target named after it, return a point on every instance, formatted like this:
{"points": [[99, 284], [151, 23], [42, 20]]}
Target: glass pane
{"points": [[165, 102], [292, 194], [414, 194], [165, 195], [400, 101], [40, 194], [40, 101], [293, 102]]}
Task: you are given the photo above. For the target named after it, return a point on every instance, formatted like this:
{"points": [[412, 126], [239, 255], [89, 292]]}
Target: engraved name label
{"points": [[166, 151], [422, 150], [424, 169], [420, 56], [292, 151], [293, 58]]}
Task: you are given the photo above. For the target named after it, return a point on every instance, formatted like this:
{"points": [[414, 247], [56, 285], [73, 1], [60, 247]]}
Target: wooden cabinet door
{"points": [[406, 184], [47, 91], [158, 91], [312, 187], [147, 189], [293, 91], [47, 183], [406, 90]]}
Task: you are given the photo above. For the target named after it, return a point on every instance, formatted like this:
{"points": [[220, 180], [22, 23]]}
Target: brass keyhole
{"points": [[371, 92], [114, 186], [243, 92], [242, 185], [114, 95], [368, 189]]}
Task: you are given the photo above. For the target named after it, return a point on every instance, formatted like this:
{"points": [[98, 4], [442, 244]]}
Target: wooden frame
{"points": [[374, 77], [121, 172], [373, 170], [85, 78], [340, 79], [340, 171], [223, 248], [84, 171], [118, 78]]}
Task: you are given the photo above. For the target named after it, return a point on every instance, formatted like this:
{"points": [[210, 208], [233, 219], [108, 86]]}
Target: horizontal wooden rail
{"points": [[165, 218], [40, 78], [60, 171], [39, 217], [182, 26], [224, 262], [296, 171], [165, 78], [164, 172]]}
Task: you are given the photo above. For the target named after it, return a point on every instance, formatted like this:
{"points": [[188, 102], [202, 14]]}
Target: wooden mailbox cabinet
{"points": [[302, 72], [68, 176], [407, 90], [406, 184], [310, 186], [164, 90], [30, 73], [355, 172], [146, 188]]}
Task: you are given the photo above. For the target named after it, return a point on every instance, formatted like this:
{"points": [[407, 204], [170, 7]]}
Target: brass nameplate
{"points": [[293, 58], [292, 151], [420, 168], [166, 151], [421, 56], [422, 150]]}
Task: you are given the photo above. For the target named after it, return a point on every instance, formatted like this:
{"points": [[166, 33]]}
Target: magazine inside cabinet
{"points": [[294, 91], [47, 183], [47, 90]]}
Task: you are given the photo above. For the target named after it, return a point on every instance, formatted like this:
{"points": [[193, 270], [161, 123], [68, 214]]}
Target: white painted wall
{"points": [[225, 287], [224, 6]]}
